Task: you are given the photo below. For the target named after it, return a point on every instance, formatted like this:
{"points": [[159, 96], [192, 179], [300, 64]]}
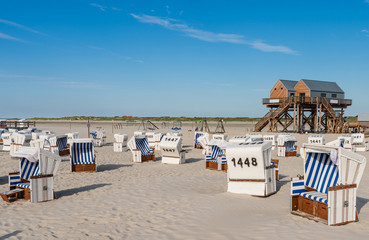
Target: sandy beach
{"points": [[126, 200]]}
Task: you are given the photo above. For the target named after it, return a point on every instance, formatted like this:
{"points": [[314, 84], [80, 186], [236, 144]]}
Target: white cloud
{"points": [[102, 8], [364, 30], [208, 36], [8, 37], [168, 9], [52, 81], [20, 26], [95, 47]]}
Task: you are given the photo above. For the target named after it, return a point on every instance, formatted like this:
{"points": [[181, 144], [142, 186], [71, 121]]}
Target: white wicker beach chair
{"points": [[120, 144], [140, 149], [99, 138], [250, 169], [327, 191], [286, 146], [171, 150]]}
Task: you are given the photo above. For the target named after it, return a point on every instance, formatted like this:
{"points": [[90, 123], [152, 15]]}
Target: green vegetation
{"points": [[157, 119]]}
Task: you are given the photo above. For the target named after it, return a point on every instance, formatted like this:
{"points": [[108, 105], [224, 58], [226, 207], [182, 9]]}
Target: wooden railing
{"points": [[308, 100]]}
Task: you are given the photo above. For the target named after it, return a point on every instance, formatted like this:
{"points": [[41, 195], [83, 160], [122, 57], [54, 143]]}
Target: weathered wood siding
{"points": [[278, 91], [302, 88]]}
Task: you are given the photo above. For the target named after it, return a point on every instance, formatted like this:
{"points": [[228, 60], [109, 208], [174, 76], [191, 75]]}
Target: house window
{"points": [[334, 95], [323, 94], [281, 88], [292, 94], [275, 88]]}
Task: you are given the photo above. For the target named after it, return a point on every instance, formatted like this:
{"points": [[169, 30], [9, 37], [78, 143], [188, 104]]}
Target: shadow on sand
{"points": [[109, 167], [72, 191], [6, 236], [360, 203]]}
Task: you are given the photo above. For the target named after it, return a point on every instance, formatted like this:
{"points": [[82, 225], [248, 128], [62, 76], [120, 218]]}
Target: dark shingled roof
{"points": [[322, 86], [289, 84]]}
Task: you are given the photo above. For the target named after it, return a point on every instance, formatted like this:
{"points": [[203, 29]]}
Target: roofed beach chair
{"points": [[346, 141], [7, 141], [154, 139], [220, 136], [120, 144], [82, 155], [360, 143], [286, 146], [250, 169], [203, 140], [196, 142], [59, 145], [71, 136], [99, 138], [316, 139], [239, 139], [140, 149], [171, 150], [271, 138], [35, 180], [215, 158], [327, 191], [18, 141]]}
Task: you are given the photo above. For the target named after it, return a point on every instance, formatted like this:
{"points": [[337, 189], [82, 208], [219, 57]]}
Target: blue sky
{"points": [[176, 58]]}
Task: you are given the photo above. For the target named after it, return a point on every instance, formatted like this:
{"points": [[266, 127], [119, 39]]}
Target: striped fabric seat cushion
{"points": [[224, 160], [215, 152], [28, 169], [62, 143], [82, 153], [143, 145], [320, 172], [24, 185], [14, 180], [317, 196]]}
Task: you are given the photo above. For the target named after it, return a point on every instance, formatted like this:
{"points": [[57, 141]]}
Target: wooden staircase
{"points": [[272, 114]]}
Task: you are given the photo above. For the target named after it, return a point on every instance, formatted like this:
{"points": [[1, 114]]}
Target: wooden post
{"points": [[70, 124], [112, 126], [88, 127]]}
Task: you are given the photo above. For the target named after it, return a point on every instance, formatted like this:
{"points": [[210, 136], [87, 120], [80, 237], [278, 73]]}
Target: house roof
{"points": [[322, 86], [289, 84]]}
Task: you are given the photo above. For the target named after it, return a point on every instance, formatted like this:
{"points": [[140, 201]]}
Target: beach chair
{"points": [[120, 144], [215, 158], [286, 146], [39, 143], [203, 140], [271, 138], [327, 191], [99, 138], [2, 130], [171, 150], [62, 144], [71, 136], [35, 180], [154, 139], [359, 142], [82, 155], [250, 169], [18, 141], [346, 141], [139, 133], [196, 142], [7, 141], [239, 139], [316, 139], [140, 149], [220, 136]]}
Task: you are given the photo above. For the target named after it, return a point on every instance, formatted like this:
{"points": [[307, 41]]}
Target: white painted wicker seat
{"points": [[250, 170], [171, 150], [140, 149], [328, 189], [120, 143]]}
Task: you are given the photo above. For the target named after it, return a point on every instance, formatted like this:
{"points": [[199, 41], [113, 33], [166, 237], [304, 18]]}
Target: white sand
{"points": [[151, 200]]}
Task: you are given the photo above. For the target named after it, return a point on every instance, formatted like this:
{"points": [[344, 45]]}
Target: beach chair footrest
{"points": [[214, 166], [148, 158], [8, 195]]}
